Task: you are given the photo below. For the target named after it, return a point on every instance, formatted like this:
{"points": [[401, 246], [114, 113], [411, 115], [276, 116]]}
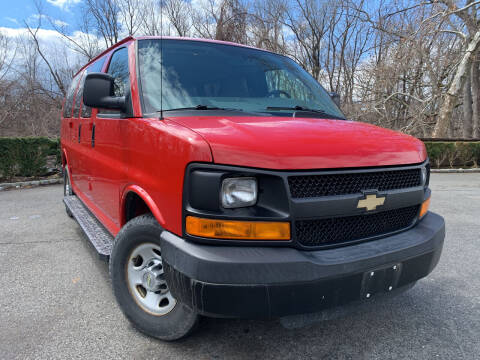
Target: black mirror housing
{"points": [[335, 98], [98, 92]]}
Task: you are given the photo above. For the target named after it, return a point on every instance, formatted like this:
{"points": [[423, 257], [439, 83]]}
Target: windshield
{"points": [[205, 75]]}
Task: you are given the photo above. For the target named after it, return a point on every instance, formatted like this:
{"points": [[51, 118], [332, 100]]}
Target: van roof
{"points": [[133, 38]]}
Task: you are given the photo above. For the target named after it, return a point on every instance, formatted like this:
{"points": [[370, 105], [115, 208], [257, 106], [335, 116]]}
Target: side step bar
{"points": [[100, 238]]}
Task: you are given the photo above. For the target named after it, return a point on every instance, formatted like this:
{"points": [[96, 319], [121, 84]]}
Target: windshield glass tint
{"points": [[233, 77]]}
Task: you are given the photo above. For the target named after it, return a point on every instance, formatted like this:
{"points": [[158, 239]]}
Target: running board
{"points": [[100, 238]]}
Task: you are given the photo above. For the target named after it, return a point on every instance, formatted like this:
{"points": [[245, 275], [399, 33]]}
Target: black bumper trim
{"points": [[273, 282]]}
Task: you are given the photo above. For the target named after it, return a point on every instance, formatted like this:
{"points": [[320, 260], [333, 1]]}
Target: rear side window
{"points": [[86, 110], [67, 108]]}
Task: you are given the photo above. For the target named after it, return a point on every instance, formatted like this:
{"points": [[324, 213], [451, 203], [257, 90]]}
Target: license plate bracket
{"points": [[380, 280]]}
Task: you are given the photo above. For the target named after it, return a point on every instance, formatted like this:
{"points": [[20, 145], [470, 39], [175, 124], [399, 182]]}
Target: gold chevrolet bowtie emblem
{"points": [[371, 202]]}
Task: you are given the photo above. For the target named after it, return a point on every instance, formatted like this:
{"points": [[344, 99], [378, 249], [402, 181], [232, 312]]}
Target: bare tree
{"points": [[83, 42], [403, 64], [266, 29], [347, 45], [308, 20], [179, 13], [225, 20], [131, 14], [29, 97], [103, 17], [467, 66], [7, 56], [8, 53], [458, 81], [53, 72], [475, 88]]}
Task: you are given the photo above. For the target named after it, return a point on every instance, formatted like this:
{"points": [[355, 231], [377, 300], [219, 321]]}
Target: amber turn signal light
{"points": [[239, 230], [424, 208]]}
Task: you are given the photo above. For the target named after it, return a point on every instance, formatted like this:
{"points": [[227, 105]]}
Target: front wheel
{"points": [[139, 284]]}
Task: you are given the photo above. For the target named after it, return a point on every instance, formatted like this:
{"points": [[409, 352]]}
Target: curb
{"points": [[455, 171], [33, 183]]}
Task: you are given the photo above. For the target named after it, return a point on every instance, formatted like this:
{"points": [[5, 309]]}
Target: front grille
{"points": [[344, 229], [306, 186]]}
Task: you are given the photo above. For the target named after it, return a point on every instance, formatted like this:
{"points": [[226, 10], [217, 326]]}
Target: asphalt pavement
{"points": [[56, 299]]}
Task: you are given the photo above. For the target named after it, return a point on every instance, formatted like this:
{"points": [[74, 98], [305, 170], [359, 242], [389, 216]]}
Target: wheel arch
{"points": [[133, 199]]}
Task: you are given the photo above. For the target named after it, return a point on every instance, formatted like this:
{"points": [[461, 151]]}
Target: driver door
{"points": [[108, 170]]}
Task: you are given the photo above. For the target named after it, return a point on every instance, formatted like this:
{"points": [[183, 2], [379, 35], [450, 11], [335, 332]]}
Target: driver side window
{"points": [[118, 68], [282, 83]]}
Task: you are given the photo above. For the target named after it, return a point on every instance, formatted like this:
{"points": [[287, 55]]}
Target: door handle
{"points": [[79, 132], [93, 135]]}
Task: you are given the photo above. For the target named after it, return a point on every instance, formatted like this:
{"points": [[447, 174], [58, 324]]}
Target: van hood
{"points": [[303, 143]]}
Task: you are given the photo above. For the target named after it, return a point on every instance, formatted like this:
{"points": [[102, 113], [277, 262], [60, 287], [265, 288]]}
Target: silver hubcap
{"points": [[146, 280]]}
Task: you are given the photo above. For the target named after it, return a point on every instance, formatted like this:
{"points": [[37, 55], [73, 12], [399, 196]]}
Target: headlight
{"points": [[424, 173], [238, 192]]}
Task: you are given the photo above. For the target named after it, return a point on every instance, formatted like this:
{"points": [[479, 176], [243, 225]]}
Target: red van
{"points": [[222, 180]]}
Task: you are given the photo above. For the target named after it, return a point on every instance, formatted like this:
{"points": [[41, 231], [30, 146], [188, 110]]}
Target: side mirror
{"points": [[98, 92], [335, 98]]}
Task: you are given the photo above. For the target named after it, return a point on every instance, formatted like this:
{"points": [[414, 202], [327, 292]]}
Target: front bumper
{"points": [[269, 282]]}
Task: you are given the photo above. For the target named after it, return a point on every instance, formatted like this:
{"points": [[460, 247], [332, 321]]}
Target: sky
{"points": [[14, 12]]}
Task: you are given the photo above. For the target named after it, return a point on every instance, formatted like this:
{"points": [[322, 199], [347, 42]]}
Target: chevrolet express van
{"points": [[222, 180]]}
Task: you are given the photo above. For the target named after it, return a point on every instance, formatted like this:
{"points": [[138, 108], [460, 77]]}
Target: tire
{"points": [[141, 236], [67, 189]]}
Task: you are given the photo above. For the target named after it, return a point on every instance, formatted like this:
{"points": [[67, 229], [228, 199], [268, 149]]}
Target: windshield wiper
{"points": [[202, 107], [304, 109], [296, 108]]}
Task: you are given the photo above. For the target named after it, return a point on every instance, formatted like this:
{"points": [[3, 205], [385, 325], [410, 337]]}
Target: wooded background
{"points": [[412, 66]]}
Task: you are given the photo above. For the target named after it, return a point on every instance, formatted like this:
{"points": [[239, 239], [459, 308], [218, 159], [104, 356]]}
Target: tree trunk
{"points": [[467, 107], [451, 97], [475, 78]]}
